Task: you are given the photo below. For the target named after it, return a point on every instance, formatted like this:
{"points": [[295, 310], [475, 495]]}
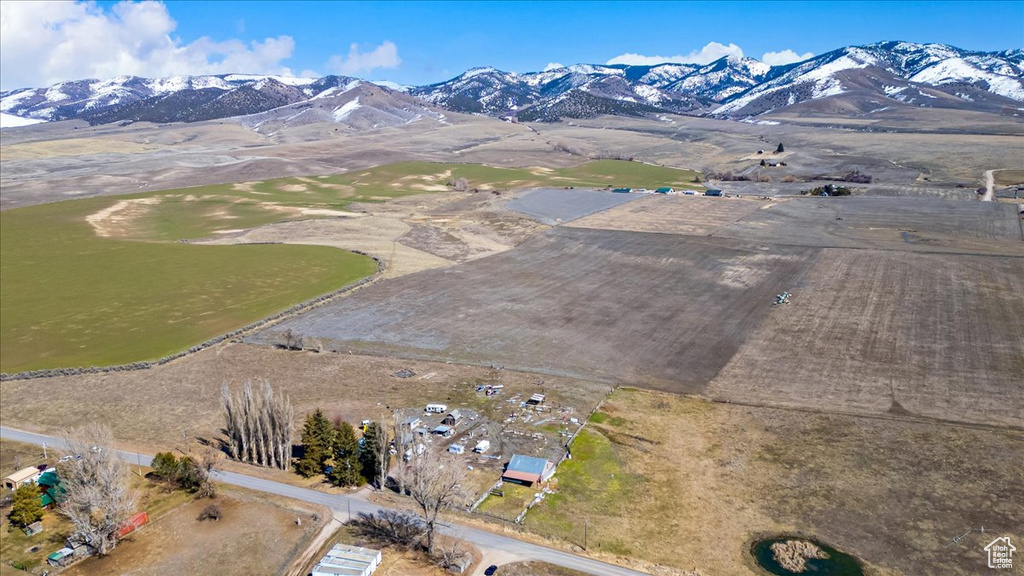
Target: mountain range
{"points": [[853, 80]]}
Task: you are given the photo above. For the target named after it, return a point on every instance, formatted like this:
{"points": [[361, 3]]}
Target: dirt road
{"points": [[990, 186]]}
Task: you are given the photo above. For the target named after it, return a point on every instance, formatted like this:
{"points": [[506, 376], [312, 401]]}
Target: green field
{"points": [[69, 297]]}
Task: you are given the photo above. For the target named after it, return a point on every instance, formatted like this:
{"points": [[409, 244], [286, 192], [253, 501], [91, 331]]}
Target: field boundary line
{"points": [[299, 308]]}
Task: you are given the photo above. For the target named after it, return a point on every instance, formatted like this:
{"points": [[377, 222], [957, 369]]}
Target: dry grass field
{"points": [[930, 335], [183, 397], [662, 310], [689, 484]]}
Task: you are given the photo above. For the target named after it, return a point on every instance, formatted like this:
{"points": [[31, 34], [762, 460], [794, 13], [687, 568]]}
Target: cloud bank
{"points": [[786, 56], [42, 43], [706, 55], [383, 56]]}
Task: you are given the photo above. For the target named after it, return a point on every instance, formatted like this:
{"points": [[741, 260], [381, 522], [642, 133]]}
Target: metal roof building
{"points": [[21, 477], [344, 560], [528, 470]]}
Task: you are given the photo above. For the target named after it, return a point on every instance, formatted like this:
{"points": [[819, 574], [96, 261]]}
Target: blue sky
{"points": [[422, 42]]}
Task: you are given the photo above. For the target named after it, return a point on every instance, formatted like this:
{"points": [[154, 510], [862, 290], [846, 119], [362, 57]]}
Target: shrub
{"points": [[211, 512]]}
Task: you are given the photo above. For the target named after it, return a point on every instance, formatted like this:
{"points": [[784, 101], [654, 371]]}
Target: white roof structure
{"points": [[345, 560]]}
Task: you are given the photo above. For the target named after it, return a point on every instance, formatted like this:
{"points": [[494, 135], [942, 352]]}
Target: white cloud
{"points": [[553, 66], [786, 56], [709, 53], [383, 56], [42, 43]]}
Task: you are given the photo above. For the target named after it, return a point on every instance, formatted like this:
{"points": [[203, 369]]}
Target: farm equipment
{"points": [[782, 298]]}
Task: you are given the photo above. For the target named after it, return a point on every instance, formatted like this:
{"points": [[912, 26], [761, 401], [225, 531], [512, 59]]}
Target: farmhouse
{"points": [[343, 560], [453, 418], [22, 477], [527, 470]]}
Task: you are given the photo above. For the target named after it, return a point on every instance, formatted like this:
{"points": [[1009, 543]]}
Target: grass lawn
{"points": [[511, 504]]}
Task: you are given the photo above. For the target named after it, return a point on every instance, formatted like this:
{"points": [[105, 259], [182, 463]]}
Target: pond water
{"points": [[837, 563]]}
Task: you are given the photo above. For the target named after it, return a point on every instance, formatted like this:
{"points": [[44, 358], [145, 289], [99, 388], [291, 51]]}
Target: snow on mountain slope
{"points": [[11, 121]]}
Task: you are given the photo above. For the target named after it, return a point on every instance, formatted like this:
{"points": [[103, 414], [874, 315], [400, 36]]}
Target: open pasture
{"points": [[878, 331], [907, 224], [659, 310]]}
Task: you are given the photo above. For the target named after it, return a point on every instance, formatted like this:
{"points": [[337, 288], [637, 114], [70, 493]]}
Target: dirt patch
{"points": [[117, 221], [693, 215], [253, 536]]}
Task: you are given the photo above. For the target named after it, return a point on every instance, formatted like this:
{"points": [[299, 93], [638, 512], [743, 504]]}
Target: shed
{"points": [[482, 446], [344, 560], [457, 448], [442, 430], [665, 190], [21, 477], [536, 400], [452, 418], [623, 190], [527, 470], [60, 557], [712, 192]]}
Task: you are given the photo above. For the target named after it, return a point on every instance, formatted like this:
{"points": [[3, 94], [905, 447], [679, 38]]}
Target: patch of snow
{"points": [[343, 111], [891, 91], [289, 80], [12, 121], [12, 100], [958, 70], [392, 85]]}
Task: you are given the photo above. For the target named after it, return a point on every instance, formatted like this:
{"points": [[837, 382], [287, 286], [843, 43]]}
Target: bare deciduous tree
{"points": [[434, 481], [461, 185], [97, 496], [451, 554], [258, 425]]}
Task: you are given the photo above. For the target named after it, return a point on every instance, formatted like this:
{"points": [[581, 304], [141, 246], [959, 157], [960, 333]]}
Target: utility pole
{"points": [[584, 533], [349, 502], [44, 451]]}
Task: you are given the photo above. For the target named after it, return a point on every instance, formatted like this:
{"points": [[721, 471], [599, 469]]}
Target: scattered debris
{"points": [[404, 373]]}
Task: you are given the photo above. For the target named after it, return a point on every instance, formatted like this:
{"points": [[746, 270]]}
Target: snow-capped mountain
{"points": [[853, 80], [893, 74]]}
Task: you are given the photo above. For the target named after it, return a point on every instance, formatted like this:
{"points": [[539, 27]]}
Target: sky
{"points": [[415, 43]]}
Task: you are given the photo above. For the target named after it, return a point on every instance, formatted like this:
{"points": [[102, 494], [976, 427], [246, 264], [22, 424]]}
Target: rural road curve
{"points": [[343, 504], [990, 186]]}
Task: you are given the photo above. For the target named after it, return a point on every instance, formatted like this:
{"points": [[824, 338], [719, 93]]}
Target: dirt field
{"points": [[255, 535], [892, 493], [882, 331], [599, 305], [690, 215], [917, 225]]}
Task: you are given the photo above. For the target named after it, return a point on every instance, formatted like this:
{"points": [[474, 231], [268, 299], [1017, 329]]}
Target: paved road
{"points": [[343, 504]]}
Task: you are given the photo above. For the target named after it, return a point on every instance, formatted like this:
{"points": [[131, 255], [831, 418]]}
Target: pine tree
{"points": [[347, 470], [27, 506], [780, 149], [317, 444]]}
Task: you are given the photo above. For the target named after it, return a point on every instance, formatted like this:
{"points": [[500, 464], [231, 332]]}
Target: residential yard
{"points": [[31, 551], [511, 504], [394, 561], [689, 484]]}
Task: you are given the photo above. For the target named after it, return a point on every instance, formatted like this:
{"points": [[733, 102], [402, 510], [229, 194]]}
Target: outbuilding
{"points": [[21, 477], [712, 192], [344, 560], [528, 470], [665, 190], [452, 418]]}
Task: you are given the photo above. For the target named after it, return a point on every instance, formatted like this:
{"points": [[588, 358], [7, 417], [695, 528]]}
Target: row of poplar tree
{"points": [[334, 450]]}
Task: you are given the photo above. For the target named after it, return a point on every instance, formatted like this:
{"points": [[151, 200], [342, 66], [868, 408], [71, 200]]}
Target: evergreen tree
{"points": [[27, 506], [780, 149], [165, 466], [347, 470], [317, 444]]}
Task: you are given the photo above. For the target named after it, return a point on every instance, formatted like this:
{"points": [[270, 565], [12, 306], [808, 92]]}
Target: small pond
{"points": [[836, 564]]}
